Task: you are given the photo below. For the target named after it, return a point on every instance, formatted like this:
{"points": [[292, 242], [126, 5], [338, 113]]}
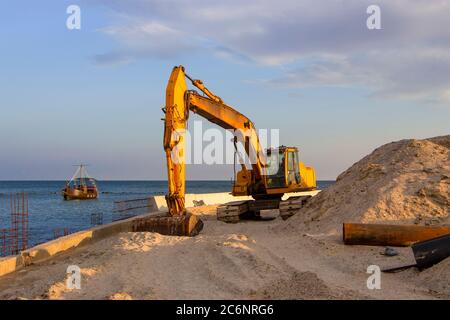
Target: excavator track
{"points": [[290, 206], [233, 212]]}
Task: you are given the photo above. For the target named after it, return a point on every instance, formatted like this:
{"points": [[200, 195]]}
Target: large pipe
{"points": [[389, 235]]}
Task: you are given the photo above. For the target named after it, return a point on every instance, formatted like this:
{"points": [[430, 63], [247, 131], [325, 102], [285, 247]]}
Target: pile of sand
{"points": [[407, 181]]}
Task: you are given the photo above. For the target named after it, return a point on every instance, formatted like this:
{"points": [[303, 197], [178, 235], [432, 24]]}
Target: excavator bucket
{"points": [[187, 225]]}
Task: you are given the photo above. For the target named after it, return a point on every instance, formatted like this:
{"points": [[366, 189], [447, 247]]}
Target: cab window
{"points": [[275, 169], [293, 168]]}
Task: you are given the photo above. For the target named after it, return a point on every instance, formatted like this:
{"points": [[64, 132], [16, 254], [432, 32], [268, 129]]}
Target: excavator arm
{"points": [[175, 120], [179, 101]]}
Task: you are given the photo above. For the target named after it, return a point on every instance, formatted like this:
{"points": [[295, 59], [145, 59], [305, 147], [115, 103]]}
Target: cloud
{"points": [[396, 74], [145, 39], [318, 44]]}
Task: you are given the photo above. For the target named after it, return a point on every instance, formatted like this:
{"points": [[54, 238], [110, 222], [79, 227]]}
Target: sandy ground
{"points": [[407, 181], [248, 260]]}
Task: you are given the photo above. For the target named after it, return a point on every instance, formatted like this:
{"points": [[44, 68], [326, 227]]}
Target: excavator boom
{"points": [[179, 101]]}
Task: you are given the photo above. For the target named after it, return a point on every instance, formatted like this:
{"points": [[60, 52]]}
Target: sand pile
{"points": [[407, 181]]}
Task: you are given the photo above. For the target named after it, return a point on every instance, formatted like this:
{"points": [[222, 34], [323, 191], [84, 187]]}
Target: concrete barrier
{"points": [[193, 200], [10, 264], [51, 248], [158, 206]]}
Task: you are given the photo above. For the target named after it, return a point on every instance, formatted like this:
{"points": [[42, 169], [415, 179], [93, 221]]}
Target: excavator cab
{"points": [[283, 173], [283, 169]]}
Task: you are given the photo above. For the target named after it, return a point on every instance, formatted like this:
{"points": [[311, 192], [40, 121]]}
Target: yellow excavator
{"points": [[274, 173]]}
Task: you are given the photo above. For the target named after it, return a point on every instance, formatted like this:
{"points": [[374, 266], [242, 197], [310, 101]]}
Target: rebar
{"points": [[15, 239]]}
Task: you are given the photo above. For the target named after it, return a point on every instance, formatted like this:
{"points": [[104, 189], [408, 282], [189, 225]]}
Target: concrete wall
{"points": [[49, 249], [159, 202]]}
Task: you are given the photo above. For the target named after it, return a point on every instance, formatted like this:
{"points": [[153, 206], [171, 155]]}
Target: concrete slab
{"points": [[10, 264], [159, 202]]}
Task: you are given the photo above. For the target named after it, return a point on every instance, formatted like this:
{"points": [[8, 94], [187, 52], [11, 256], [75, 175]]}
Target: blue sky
{"points": [[313, 70]]}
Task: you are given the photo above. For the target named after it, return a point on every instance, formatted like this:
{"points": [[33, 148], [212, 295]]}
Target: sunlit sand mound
{"points": [[407, 181]]}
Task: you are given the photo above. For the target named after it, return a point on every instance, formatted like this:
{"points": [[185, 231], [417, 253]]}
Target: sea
{"points": [[49, 215]]}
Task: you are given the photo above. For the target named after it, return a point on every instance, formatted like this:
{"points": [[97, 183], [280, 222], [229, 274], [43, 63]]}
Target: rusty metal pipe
{"points": [[390, 235]]}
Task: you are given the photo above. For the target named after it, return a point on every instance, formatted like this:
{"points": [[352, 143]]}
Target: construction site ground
{"points": [[247, 260]]}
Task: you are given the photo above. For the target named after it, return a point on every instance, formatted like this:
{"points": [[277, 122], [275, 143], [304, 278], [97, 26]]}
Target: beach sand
{"points": [[248, 260], [404, 182]]}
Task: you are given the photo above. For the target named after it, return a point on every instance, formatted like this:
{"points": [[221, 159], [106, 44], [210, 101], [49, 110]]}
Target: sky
{"points": [[313, 70]]}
